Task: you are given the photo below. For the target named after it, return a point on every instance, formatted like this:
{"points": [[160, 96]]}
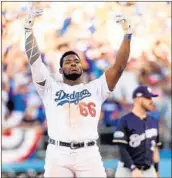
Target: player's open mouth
{"points": [[74, 70]]}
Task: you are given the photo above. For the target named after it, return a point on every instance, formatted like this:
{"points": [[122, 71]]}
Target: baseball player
{"points": [[138, 138], [72, 107]]}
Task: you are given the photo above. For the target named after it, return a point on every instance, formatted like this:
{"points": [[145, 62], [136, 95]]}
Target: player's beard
{"points": [[146, 108], [72, 76]]}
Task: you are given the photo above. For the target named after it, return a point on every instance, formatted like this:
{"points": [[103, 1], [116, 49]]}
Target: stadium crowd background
{"points": [[88, 28]]}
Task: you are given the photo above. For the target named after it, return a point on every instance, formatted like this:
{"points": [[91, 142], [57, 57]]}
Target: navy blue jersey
{"points": [[140, 136]]}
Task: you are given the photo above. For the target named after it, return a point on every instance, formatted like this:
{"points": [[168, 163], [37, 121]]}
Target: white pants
{"points": [[65, 162], [125, 172]]}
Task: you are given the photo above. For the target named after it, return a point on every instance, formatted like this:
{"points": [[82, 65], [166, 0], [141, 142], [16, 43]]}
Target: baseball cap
{"points": [[143, 91]]}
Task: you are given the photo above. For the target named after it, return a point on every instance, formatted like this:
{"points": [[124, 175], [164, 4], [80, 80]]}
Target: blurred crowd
{"points": [[90, 29]]}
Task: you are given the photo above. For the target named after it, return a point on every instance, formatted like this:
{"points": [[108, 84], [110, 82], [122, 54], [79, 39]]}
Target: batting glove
{"points": [[31, 14], [124, 22]]}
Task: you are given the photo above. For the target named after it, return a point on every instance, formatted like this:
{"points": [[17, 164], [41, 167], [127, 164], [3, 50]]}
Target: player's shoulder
{"points": [[96, 80], [127, 116], [56, 81], [93, 84]]}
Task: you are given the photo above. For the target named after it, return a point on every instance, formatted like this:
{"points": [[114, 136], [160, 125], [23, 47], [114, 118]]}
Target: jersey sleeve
{"points": [[158, 142], [120, 134], [43, 89], [101, 87]]}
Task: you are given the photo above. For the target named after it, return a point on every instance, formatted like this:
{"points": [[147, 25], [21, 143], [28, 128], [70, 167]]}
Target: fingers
{"points": [[30, 6], [124, 22], [37, 12], [31, 14], [120, 18]]}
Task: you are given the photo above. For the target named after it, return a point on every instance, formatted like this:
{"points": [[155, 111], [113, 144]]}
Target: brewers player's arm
{"points": [[125, 157], [121, 137], [156, 159], [39, 70], [114, 73]]}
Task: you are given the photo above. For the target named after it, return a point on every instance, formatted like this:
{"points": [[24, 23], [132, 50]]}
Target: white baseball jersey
{"points": [[73, 112]]}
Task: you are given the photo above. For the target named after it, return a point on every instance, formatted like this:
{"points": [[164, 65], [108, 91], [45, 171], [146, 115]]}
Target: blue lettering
{"points": [[63, 98]]}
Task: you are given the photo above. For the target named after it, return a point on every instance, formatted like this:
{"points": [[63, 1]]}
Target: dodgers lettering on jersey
{"points": [[73, 112], [75, 97], [140, 136]]}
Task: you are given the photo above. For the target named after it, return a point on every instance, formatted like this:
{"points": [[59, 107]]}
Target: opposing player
{"points": [[72, 107], [138, 138]]}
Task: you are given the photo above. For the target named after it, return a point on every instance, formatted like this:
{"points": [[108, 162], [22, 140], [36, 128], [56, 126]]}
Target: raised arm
{"points": [[114, 73], [39, 70]]}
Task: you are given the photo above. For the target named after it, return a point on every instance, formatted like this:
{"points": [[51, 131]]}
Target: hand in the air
{"points": [[31, 14], [124, 22]]}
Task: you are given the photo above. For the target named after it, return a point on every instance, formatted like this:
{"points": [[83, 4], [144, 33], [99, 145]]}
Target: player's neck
{"points": [[138, 111], [73, 82]]}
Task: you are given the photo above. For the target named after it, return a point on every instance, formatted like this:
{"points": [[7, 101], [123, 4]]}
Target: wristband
{"points": [[156, 166], [127, 36], [132, 167]]}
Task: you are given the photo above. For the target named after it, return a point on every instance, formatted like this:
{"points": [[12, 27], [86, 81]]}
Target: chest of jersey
{"points": [[74, 103], [142, 132]]}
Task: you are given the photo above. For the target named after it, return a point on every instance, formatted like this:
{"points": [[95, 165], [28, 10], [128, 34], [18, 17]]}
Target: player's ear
{"points": [[141, 99], [61, 71], [137, 99]]}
